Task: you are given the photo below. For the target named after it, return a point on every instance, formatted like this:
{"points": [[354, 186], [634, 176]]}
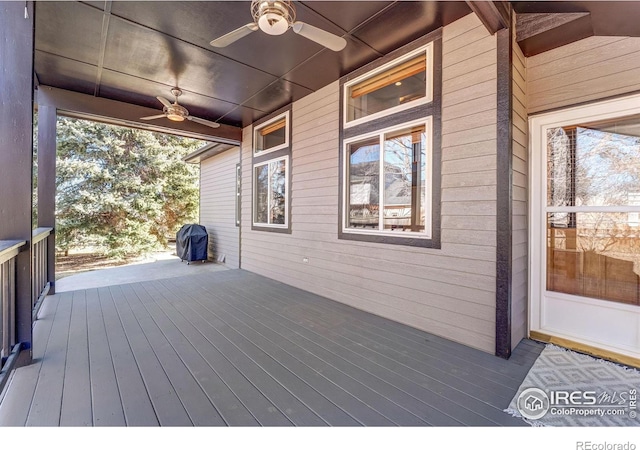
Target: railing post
{"points": [[16, 148]]}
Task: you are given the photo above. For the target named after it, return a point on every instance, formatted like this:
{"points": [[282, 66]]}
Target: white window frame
{"points": [[346, 190], [257, 129], [428, 98], [286, 196]]}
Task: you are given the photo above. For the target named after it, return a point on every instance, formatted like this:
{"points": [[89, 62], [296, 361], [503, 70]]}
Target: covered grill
{"points": [[191, 243]]}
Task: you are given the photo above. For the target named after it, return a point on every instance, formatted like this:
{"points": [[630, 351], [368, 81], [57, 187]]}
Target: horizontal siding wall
{"points": [[448, 291], [218, 206], [519, 240], [590, 69]]}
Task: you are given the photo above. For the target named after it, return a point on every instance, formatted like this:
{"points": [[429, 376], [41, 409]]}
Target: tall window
{"points": [[386, 183], [270, 196], [271, 172], [390, 155]]}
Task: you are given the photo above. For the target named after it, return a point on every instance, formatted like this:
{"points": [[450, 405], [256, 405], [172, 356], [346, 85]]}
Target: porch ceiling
{"points": [[134, 51]]}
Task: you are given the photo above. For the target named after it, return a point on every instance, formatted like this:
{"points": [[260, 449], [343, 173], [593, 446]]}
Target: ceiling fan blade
{"points": [[159, 116], [203, 122], [234, 35], [164, 101], [322, 37]]}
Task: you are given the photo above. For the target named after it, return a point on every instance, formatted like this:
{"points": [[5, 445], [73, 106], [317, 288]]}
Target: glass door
{"points": [[586, 226]]}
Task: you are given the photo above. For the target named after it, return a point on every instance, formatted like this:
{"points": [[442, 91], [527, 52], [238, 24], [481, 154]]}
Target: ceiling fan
{"points": [[276, 17], [178, 113]]}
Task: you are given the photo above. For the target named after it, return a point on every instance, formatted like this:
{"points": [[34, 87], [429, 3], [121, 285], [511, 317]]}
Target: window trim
{"points": [[255, 224], [256, 130], [428, 98], [427, 234]]}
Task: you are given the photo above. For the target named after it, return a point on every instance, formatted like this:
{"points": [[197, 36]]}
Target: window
{"points": [[272, 135], [238, 193], [396, 86], [593, 183], [387, 174], [270, 183]]}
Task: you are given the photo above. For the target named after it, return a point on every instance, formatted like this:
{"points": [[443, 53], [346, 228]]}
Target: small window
{"points": [[387, 179], [399, 85], [270, 193], [272, 135]]}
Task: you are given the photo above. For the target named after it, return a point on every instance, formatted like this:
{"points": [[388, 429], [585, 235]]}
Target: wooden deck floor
{"points": [[234, 348]]}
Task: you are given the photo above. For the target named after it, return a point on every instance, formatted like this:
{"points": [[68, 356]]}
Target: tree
{"points": [[120, 189]]}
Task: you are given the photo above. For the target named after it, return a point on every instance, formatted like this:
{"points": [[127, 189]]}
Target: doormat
{"points": [[566, 388]]}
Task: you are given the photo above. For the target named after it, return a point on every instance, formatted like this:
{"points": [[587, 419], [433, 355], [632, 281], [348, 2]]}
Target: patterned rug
{"points": [[565, 388]]}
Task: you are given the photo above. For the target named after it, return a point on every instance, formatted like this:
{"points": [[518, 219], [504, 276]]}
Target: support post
{"points": [[16, 148], [47, 119]]}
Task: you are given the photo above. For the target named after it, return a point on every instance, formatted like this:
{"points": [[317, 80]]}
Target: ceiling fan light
{"points": [[273, 24], [175, 117]]}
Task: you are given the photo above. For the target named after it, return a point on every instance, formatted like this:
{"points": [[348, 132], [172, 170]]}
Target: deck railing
{"points": [[8, 252], [40, 276]]}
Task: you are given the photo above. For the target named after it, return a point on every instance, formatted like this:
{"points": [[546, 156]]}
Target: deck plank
{"points": [[325, 406], [231, 410], [452, 402], [478, 361], [136, 405], [76, 394], [235, 348], [107, 403], [47, 398], [18, 395], [256, 367], [265, 412], [166, 403], [330, 371], [198, 407]]}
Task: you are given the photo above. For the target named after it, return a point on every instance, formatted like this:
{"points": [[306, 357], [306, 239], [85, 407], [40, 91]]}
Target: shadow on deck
{"points": [[235, 348]]}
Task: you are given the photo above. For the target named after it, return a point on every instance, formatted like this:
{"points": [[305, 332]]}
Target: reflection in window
{"points": [[364, 184], [270, 193], [598, 258], [401, 170], [593, 164], [404, 180]]}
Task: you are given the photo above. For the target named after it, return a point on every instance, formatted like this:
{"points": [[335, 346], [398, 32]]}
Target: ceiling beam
{"points": [[493, 15], [539, 32], [83, 106], [103, 45]]}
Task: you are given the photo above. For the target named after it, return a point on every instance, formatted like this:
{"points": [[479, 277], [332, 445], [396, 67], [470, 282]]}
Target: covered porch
{"points": [[234, 348]]}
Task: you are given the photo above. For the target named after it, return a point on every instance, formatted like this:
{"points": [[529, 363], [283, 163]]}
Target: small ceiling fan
{"points": [[178, 113], [276, 17]]}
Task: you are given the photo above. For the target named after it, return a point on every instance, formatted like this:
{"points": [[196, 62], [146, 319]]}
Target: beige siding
{"points": [[590, 69], [519, 238], [448, 291], [218, 206]]}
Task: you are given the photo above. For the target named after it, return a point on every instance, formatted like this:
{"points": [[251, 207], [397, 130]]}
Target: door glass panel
{"points": [[591, 251], [594, 254], [594, 164]]}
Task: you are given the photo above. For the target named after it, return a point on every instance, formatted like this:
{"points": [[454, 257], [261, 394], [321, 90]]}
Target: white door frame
{"points": [[538, 125]]}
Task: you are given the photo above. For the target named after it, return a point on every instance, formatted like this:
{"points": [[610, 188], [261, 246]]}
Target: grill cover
{"points": [[191, 243]]}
